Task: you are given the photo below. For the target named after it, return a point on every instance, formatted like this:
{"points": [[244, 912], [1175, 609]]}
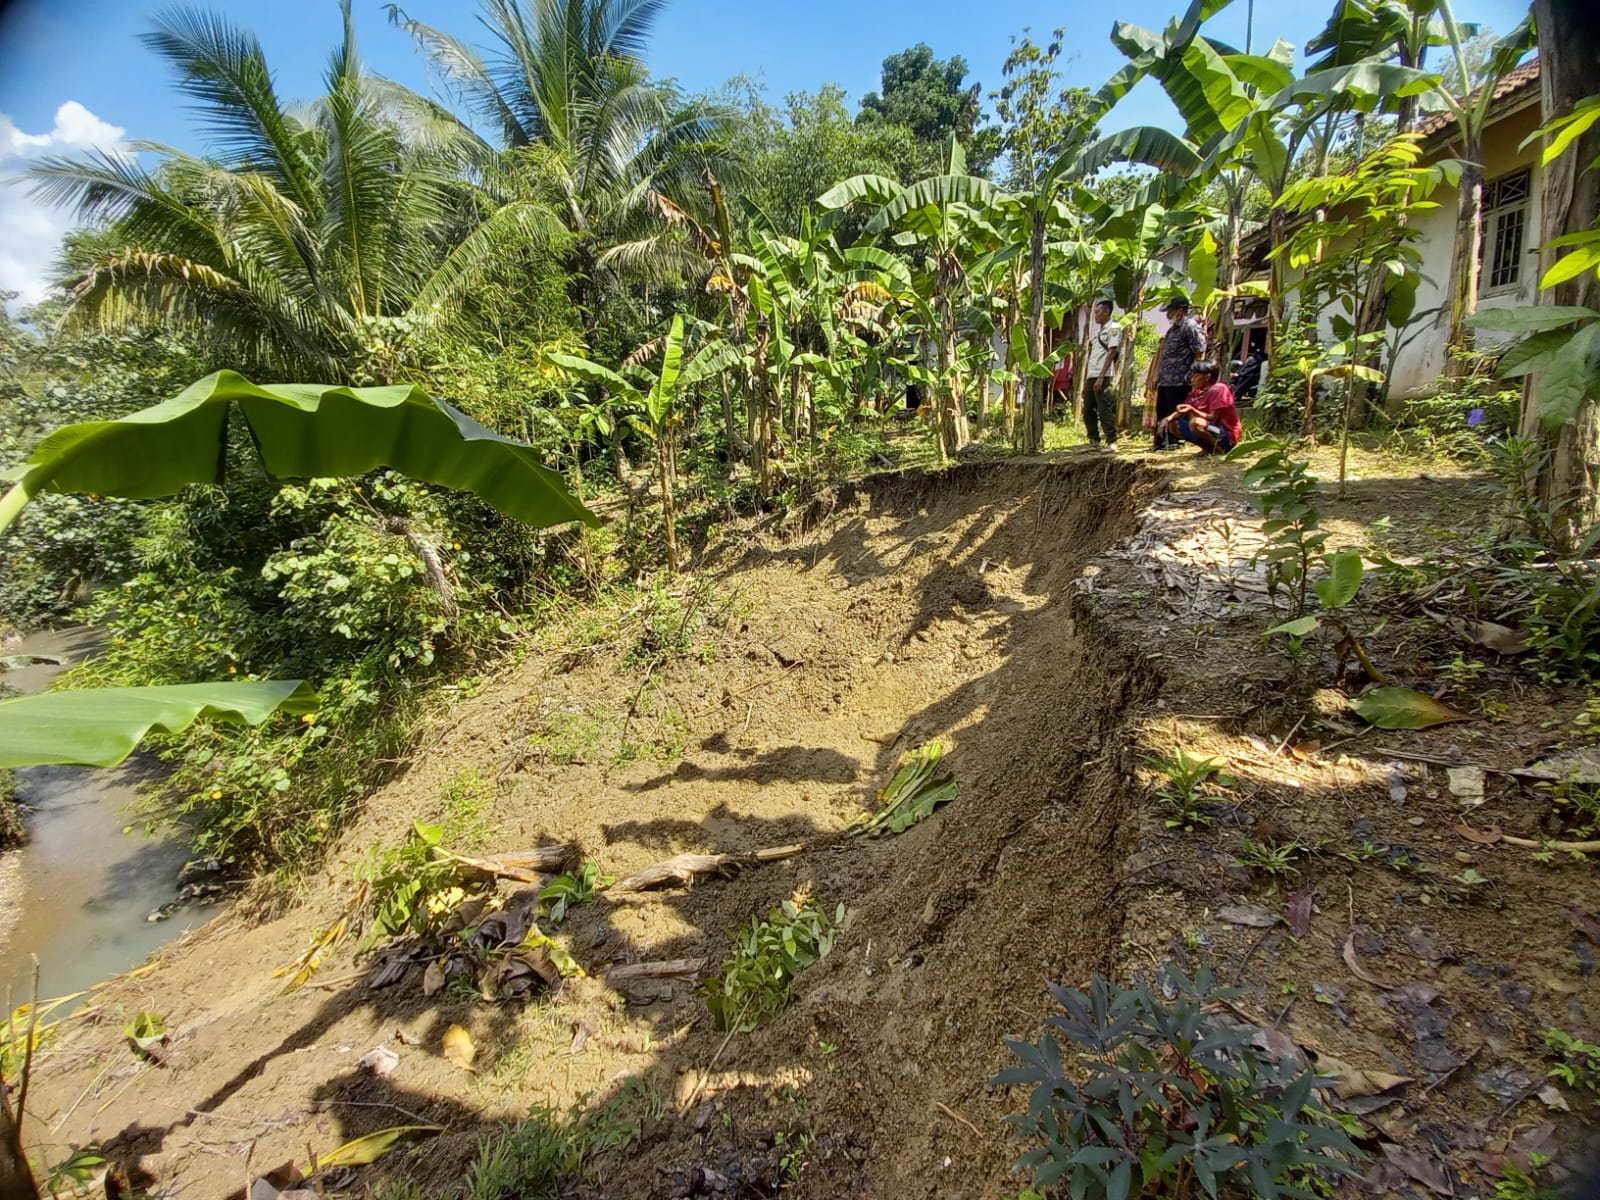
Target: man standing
{"points": [[1099, 396], [1168, 382]]}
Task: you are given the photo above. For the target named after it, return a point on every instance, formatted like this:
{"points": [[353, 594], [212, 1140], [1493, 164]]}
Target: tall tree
{"points": [[937, 216], [1569, 72], [931, 97], [306, 241], [564, 82]]}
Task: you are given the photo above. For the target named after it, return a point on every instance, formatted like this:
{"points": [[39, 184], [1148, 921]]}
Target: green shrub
{"points": [[570, 889], [758, 979], [12, 830], [1577, 1062], [1463, 417], [1161, 1099]]}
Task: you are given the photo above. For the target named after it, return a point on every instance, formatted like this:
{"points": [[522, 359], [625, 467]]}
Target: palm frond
{"points": [[223, 69]]}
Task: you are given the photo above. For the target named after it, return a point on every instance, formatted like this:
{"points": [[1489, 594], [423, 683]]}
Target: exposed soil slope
{"points": [[1012, 612], [898, 611]]}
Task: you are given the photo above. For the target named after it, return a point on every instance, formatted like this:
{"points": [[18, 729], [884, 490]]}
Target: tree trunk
{"points": [[669, 509], [983, 399], [737, 446], [1371, 317], [16, 1179], [951, 404], [1569, 55], [1277, 234], [1228, 274], [761, 414], [1008, 393], [1130, 351], [1464, 264], [1038, 389]]}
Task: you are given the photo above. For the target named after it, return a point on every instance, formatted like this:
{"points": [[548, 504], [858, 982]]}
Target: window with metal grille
{"points": [[1505, 214]]}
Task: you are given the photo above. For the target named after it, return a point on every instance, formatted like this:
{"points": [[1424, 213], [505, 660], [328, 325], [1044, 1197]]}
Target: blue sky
{"points": [[84, 54]]}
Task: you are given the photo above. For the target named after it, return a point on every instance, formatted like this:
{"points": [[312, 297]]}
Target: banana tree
{"points": [[657, 405], [1471, 109], [936, 215], [1250, 117]]}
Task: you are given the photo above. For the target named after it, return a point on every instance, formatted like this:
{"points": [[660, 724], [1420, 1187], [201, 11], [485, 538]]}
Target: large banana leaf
{"points": [[877, 189], [935, 192], [302, 430], [880, 261], [665, 391], [99, 727], [1146, 144], [593, 372]]}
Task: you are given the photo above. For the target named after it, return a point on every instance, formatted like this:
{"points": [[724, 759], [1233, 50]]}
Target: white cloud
{"points": [[30, 231]]}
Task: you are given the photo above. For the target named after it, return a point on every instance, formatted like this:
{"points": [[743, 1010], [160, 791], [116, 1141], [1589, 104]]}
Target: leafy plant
{"points": [[544, 1152], [1577, 1061], [1283, 490], [1516, 1184], [570, 889], [758, 978], [1148, 1098], [1185, 789], [1271, 858], [415, 890], [915, 790]]}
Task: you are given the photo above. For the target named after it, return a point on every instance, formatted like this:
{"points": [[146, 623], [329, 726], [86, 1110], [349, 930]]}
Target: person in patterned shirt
{"points": [[1168, 382]]}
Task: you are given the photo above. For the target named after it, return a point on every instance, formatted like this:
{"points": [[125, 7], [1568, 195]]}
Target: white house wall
{"points": [[1421, 358]]}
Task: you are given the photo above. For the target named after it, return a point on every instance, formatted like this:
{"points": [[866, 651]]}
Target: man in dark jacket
{"points": [[1167, 384]]}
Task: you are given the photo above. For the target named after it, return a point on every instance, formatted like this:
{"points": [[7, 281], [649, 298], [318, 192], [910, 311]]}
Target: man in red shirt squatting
{"points": [[1209, 418]]}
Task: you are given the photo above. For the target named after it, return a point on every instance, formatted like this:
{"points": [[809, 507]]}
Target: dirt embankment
{"points": [[895, 612], [976, 607]]}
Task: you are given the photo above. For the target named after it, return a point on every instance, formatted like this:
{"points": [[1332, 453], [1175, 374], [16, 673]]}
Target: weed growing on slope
{"points": [[1185, 789]]}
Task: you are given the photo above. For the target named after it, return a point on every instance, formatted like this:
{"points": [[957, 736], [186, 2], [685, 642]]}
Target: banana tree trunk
{"points": [[1569, 46], [952, 408], [669, 507], [761, 414], [1130, 347], [737, 446], [1228, 274], [1008, 390], [1038, 389], [1464, 262], [983, 399]]}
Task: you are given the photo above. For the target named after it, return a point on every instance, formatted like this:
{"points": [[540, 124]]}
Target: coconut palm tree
{"points": [[309, 241], [564, 80]]}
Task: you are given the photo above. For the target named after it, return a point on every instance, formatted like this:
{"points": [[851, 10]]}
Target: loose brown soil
{"points": [[978, 607]]}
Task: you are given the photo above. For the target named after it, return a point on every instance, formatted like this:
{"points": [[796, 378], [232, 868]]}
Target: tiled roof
{"points": [[1514, 81]]}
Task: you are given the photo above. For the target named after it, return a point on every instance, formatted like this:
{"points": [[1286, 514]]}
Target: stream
{"points": [[78, 893]]}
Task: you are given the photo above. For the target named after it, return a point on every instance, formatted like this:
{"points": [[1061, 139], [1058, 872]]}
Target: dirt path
{"points": [[968, 607]]}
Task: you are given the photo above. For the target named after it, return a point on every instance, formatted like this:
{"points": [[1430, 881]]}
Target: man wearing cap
{"points": [[1171, 368]]}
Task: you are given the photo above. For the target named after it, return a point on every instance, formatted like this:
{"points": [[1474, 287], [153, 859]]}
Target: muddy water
{"points": [[78, 893]]}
